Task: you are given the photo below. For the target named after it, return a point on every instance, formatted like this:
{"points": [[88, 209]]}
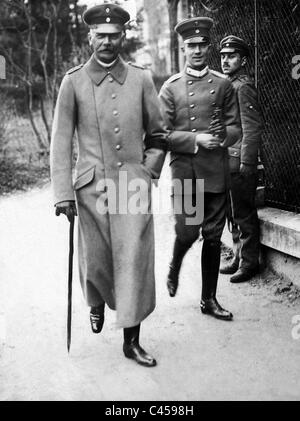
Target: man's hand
{"points": [[217, 129], [68, 208], [207, 141], [248, 170]]}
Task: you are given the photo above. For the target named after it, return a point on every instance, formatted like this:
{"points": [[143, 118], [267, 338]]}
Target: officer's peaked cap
{"points": [[107, 17], [195, 30], [233, 44]]}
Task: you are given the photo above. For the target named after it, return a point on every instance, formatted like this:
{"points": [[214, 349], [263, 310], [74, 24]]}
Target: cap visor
{"points": [[107, 28], [228, 50], [196, 40]]}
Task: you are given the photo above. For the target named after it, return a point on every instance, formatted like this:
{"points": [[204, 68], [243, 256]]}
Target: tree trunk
{"points": [[174, 46]]}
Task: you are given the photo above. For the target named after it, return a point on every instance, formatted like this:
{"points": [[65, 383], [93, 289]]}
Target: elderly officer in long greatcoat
{"points": [[243, 159], [114, 108], [201, 114]]}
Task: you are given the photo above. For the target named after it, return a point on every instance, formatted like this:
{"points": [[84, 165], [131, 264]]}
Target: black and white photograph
{"points": [[150, 203]]}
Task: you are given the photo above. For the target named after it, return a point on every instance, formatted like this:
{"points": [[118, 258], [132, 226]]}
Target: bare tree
{"points": [[174, 46]]}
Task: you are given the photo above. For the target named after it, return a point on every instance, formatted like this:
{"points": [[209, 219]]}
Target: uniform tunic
{"points": [[189, 100], [188, 103], [113, 111], [243, 187]]}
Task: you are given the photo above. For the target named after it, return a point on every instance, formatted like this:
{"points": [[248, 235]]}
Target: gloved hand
{"points": [[248, 170], [68, 208]]}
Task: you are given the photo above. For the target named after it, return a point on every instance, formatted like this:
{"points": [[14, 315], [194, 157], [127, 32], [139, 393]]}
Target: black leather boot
{"points": [[210, 261], [97, 318], [230, 268], [132, 348], [179, 252]]}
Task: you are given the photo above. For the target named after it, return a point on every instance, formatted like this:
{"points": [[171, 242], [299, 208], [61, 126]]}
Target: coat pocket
{"points": [[84, 179]]}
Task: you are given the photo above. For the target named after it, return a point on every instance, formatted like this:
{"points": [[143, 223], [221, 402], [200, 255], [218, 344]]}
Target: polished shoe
{"points": [[138, 354], [213, 308], [244, 275], [230, 268], [97, 318]]}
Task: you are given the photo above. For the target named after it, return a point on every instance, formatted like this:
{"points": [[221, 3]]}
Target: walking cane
{"points": [[70, 277]]}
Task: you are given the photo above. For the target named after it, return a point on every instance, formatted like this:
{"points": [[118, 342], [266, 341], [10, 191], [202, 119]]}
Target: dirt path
{"points": [[199, 358]]}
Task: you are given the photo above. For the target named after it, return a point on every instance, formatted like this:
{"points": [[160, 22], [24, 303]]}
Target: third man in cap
{"points": [[243, 159]]}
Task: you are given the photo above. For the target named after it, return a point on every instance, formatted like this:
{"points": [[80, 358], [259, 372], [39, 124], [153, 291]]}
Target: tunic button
{"points": [[110, 79], [214, 104], [115, 112], [209, 80], [194, 130], [191, 94], [251, 107], [120, 164], [212, 91], [118, 147], [193, 118], [192, 106], [190, 82], [117, 129], [114, 96]]}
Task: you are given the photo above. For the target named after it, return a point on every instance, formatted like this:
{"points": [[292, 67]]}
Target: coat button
{"points": [[120, 164], [209, 80], [191, 94], [251, 107], [212, 91], [118, 147], [214, 104], [190, 82], [194, 130], [115, 112], [110, 79], [114, 96], [193, 118], [192, 106], [117, 129]]}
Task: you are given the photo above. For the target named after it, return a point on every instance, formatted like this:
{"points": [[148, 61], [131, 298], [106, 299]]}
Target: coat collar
{"points": [[196, 73], [236, 75], [98, 73]]}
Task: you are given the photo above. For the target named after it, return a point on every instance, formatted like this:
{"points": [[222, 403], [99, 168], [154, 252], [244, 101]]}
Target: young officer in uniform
{"points": [[114, 108], [198, 144], [243, 163]]}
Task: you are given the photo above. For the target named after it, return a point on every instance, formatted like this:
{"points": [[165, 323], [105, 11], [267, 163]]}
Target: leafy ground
{"points": [[283, 289], [18, 176], [22, 163]]}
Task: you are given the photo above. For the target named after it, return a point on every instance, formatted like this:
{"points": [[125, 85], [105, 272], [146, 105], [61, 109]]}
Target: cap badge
{"points": [[197, 31], [107, 20], [108, 10]]}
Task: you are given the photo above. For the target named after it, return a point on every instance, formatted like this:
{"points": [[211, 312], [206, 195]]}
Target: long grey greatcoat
{"points": [[113, 112]]}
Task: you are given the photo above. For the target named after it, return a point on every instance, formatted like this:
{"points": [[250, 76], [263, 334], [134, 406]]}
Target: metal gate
{"points": [[272, 28]]}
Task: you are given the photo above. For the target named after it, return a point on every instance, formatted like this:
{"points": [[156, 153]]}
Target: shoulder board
{"points": [[174, 77], [74, 69], [136, 65], [218, 74], [245, 78]]}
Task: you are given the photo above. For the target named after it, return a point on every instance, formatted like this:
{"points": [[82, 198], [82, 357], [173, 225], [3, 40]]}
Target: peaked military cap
{"points": [[233, 44], [195, 30], [107, 17]]}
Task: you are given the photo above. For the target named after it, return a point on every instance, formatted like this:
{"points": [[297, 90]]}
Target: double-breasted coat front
{"points": [[114, 113]]}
